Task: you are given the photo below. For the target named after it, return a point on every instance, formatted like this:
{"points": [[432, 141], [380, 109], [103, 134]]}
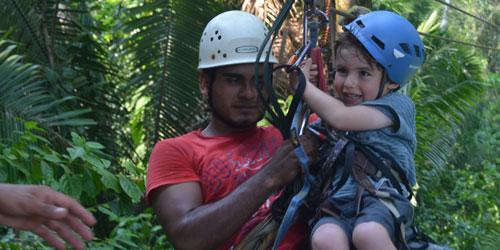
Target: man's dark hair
{"points": [[211, 73]]}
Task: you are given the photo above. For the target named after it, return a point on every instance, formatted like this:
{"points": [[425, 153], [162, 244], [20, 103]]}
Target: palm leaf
{"points": [[446, 88], [160, 43], [23, 96], [74, 66]]}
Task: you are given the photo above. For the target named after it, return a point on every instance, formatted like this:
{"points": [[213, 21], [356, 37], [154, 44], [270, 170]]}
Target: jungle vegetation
{"points": [[88, 87]]}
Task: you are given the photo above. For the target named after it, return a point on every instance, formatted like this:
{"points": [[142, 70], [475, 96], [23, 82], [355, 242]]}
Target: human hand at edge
{"points": [[44, 211], [310, 70]]}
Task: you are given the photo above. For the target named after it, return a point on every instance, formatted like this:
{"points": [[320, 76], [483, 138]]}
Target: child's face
{"points": [[357, 80]]}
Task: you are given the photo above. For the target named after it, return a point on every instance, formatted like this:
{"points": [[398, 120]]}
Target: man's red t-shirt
{"points": [[221, 163]]}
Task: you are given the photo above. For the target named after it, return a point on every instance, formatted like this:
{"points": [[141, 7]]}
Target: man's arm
{"points": [[191, 225]]}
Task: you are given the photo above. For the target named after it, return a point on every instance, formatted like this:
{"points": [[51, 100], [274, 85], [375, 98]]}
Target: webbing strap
{"points": [[399, 170], [294, 109], [386, 172], [277, 117], [349, 160], [298, 199], [399, 220]]}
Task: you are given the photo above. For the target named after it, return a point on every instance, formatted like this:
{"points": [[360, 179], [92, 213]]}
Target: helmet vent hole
{"points": [[360, 24], [378, 42], [211, 39], [213, 56], [224, 55], [220, 37], [218, 51], [405, 47], [417, 50], [216, 32]]}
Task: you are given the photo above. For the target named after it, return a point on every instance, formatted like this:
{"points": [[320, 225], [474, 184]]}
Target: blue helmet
{"points": [[392, 41]]}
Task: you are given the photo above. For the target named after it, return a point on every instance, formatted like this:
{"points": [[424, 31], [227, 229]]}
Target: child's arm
{"points": [[336, 114]]}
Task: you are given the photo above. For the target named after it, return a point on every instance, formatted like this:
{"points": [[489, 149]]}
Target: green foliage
{"points": [[26, 161], [130, 68], [461, 207], [16, 240], [23, 94], [79, 172], [132, 232], [466, 210], [457, 127]]}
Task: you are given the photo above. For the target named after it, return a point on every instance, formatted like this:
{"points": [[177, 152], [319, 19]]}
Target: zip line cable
{"points": [[457, 41], [467, 13], [348, 15]]}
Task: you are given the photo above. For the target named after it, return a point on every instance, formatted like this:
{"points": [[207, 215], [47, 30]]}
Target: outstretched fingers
{"points": [[62, 229], [46, 234], [77, 226], [58, 205]]}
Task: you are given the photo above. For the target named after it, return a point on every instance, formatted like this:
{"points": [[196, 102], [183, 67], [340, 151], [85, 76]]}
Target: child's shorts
{"points": [[371, 210]]}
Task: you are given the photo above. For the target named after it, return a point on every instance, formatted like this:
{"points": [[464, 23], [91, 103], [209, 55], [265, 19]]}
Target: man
{"points": [[211, 187], [44, 211]]}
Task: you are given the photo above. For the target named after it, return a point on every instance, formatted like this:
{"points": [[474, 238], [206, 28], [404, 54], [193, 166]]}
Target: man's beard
{"points": [[237, 125]]}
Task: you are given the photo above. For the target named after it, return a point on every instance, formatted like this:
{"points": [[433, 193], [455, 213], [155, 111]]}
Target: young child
{"points": [[375, 55]]}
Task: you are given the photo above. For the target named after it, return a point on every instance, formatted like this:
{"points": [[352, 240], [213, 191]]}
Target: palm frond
{"points": [[63, 39], [448, 85], [161, 43], [23, 96], [22, 17]]}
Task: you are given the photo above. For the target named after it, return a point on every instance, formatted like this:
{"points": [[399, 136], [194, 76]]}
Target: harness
{"points": [[360, 162]]}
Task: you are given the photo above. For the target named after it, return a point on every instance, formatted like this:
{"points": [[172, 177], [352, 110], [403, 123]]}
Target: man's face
{"points": [[234, 96]]}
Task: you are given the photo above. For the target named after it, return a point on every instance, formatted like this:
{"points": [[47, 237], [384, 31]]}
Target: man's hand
{"points": [[285, 164], [42, 210]]}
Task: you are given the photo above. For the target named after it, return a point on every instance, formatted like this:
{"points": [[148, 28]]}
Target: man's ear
{"points": [[204, 81]]}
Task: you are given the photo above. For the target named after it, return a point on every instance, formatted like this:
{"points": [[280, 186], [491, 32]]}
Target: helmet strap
{"points": [[382, 83]]}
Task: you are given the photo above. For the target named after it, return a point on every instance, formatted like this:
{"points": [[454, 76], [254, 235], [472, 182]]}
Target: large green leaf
{"points": [[130, 188]]}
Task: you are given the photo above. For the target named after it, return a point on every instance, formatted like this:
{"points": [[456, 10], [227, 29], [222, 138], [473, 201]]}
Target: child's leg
{"points": [[373, 236], [374, 228], [329, 236]]}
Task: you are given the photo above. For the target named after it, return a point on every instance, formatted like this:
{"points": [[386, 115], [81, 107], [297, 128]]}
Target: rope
{"points": [[469, 14], [457, 41], [348, 15]]}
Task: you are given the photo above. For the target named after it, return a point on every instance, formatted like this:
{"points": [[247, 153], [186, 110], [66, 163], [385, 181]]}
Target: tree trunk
{"points": [[343, 5]]}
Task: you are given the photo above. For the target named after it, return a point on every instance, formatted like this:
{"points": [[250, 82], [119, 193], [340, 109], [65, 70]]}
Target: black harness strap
{"points": [[386, 172], [349, 160], [278, 119]]}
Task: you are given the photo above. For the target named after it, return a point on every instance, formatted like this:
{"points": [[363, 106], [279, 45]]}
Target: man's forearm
{"points": [[211, 225]]}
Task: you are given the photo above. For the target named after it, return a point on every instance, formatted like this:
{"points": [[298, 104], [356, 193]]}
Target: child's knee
{"points": [[329, 236], [368, 232]]}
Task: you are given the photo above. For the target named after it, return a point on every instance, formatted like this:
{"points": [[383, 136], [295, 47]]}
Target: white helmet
{"points": [[232, 37]]}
